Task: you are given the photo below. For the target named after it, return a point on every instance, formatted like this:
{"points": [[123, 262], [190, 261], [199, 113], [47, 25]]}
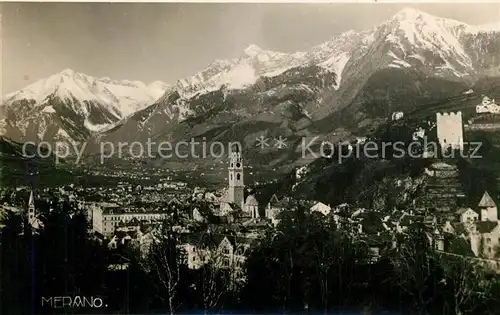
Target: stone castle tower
{"points": [[236, 184], [450, 130]]}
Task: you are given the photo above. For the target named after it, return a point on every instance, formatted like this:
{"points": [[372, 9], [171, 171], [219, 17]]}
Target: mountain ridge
{"points": [[70, 82], [293, 89], [327, 56], [71, 106]]}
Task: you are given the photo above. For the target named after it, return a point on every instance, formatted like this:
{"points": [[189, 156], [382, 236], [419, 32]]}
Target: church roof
{"points": [[207, 239], [459, 228], [174, 200], [442, 166], [251, 201], [229, 206], [486, 226], [461, 211], [486, 201], [320, 206], [460, 246], [278, 203]]}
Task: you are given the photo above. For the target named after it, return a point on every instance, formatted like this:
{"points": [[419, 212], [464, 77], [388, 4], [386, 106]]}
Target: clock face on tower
{"points": [[238, 165]]}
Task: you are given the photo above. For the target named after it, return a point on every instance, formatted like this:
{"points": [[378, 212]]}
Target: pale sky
{"points": [[169, 41]]}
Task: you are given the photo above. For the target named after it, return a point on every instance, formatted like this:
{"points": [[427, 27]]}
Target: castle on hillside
{"points": [[488, 106], [450, 130]]}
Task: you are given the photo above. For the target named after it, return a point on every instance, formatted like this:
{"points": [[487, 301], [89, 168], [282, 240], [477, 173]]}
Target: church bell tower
{"points": [[236, 184]]}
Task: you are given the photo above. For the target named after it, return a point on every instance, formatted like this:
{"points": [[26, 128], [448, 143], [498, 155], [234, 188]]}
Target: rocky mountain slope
{"points": [[411, 39], [18, 169], [353, 80]]}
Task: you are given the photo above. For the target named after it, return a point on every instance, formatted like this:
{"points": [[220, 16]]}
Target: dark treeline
{"points": [[305, 263]]}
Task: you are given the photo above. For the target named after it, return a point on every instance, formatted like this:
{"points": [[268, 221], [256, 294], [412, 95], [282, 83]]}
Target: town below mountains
{"points": [[266, 227]]}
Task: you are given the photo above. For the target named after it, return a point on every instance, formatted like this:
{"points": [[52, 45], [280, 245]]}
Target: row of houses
{"points": [[467, 231]]}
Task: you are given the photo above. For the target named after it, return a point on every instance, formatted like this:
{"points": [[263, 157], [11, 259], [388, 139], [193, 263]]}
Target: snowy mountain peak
{"points": [[253, 50], [70, 106], [157, 84], [411, 14], [420, 19], [94, 103], [67, 72], [157, 88], [348, 33], [69, 85]]}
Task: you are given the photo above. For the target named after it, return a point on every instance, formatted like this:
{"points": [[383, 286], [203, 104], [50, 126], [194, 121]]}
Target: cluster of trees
{"points": [[310, 264], [305, 263], [60, 260]]}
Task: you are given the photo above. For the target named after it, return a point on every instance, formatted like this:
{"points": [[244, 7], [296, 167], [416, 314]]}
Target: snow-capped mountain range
{"points": [[124, 97], [85, 103], [410, 32], [411, 40]]}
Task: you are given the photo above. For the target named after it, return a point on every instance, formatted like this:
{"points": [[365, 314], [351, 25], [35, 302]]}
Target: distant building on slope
{"points": [[321, 207], [488, 106], [397, 115], [274, 207]]}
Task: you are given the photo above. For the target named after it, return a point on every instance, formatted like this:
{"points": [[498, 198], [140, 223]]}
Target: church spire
{"points": [[31, 202], [32, 215]]}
